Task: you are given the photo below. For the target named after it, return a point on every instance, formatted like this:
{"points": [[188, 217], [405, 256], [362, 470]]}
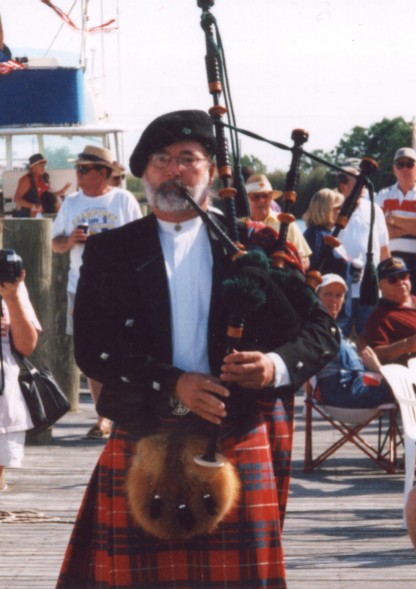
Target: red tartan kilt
{"points": [[107, 550], [279, 416]]}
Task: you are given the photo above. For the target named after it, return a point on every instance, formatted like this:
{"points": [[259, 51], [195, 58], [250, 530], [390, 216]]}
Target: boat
{"points": [[58, 123]]}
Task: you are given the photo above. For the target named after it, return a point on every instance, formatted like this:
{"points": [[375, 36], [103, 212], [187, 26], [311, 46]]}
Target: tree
{"points": [[58, 157], [380, 141], [253, 163], [312, 177], [308, 163], [385, 138], [352, 145]]}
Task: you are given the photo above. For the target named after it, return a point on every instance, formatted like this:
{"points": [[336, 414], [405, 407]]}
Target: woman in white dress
{"points": [[18, 320]]}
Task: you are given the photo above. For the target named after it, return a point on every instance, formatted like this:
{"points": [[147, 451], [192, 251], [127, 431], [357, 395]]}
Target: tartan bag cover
{"points": [[108, 551]]}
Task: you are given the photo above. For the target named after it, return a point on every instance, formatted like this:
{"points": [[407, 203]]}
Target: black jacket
{"points": [[122, 324]]}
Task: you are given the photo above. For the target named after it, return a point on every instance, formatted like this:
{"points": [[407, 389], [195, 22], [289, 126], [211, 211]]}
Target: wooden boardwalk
{"points": [[343, 527]]}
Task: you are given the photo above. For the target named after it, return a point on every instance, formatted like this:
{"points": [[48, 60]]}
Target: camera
{"points": [[11, 265]]}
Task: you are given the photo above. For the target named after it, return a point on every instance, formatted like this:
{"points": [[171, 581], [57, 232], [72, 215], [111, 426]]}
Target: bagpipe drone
{"points": [[180, 484]]}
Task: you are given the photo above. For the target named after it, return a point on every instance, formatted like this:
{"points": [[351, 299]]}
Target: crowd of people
{"points": [[370, 334]]}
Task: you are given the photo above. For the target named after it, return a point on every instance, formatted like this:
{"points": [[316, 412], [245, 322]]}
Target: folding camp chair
{"points": [[350, 423], [402, 380]]}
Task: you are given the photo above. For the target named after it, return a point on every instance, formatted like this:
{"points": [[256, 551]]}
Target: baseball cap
{"points": [[331, 279], [405, 152], [390, 267]]}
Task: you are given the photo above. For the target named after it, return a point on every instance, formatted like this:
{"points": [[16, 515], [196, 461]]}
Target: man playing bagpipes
{"points": [[155, 323]]}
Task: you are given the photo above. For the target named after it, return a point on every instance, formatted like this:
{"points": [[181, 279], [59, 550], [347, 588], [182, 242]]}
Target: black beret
{"points": [[181, 125]]}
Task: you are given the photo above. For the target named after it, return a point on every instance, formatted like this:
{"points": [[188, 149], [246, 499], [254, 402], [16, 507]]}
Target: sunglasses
{"points": [[119, 177], [256, 196], [397, 277], [407, 164], [83, 170]]}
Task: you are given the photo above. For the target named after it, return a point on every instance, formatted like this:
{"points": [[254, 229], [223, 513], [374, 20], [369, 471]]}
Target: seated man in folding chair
{"points": [[346, 380], [391, 327]]}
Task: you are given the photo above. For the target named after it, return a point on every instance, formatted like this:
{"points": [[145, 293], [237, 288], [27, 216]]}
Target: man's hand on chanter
{"points": [[199, 393], [251, 370]]}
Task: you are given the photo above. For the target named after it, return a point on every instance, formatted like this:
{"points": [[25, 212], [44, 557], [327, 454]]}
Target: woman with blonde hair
{"points": [[320, 219]]}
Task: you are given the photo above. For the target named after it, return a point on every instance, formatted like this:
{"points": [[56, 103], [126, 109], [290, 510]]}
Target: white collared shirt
{"points": [[188, 261]]}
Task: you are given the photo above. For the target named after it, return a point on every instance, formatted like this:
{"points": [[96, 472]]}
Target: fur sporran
{"points": [[170, 495]]}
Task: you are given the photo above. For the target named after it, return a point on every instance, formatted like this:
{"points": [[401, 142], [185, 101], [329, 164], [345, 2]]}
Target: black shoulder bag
{"points": [[44, 398]]}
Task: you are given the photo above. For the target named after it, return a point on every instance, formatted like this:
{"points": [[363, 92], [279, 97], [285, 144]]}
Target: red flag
{"points": [[105, 27]]}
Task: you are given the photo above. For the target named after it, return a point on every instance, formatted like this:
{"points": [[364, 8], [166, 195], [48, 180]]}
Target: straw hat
{"points": [[260, 183], [95, 155]]}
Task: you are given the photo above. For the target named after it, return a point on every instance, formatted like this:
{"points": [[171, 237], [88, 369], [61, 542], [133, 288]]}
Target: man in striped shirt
{"points": [[399, 205]]}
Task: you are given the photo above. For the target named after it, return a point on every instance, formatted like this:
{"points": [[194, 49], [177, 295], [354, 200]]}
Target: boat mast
{"points": [[84, 35]]}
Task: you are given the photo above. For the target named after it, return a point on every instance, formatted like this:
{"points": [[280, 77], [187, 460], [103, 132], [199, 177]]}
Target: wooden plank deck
{"points": [[343, 527], [344, 521]]}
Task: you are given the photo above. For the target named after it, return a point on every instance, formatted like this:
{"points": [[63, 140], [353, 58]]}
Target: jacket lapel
{"points": [[150, 282], [151, 285]]}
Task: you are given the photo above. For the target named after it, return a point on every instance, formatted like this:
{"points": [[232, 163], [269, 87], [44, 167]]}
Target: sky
{"points": [[322, 65]]}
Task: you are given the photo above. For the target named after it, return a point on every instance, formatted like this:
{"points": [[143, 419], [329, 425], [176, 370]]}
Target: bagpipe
{"points": [[180, 484]]}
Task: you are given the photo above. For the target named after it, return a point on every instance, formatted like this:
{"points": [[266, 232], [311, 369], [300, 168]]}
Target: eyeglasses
{"points": [[407, 164], [397, 277], [256, 196], [83, 170], [119, 177], [162, 160]]}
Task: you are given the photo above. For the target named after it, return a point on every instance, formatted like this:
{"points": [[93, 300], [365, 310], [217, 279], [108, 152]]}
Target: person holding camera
{"points": [[95, 208], [19, 325]]}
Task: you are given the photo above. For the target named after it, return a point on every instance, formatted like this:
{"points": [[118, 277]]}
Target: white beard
{"points": [[168, 196]]}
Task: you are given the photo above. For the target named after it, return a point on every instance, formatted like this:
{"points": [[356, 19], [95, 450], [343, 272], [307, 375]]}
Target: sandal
{"points": [[96, 433]]}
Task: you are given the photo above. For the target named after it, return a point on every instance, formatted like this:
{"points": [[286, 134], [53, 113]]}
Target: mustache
{"points": [[174, 186]]}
